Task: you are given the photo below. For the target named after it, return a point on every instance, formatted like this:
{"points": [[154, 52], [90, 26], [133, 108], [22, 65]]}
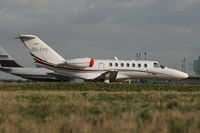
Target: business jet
{"points": [[9, 65], [94, 69]]}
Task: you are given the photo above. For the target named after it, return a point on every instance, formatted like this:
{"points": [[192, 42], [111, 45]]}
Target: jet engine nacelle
{"points": [[81, 62]]}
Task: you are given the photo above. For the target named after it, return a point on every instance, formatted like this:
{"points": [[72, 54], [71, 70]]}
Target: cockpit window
{"points": [[162, 66], [156, 65]]}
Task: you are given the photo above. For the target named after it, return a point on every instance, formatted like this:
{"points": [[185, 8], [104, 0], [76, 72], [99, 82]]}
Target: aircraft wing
{"points": [[109, 75]]}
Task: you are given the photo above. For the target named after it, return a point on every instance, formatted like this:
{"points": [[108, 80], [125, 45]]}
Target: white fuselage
{"points": [[92, 69], [126, 69]]}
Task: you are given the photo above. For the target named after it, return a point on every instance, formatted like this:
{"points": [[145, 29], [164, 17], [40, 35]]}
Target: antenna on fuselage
{"points": [[116, 58]]}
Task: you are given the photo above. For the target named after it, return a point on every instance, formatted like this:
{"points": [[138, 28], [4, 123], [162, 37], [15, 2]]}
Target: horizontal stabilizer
{"points": [[25, 37]]}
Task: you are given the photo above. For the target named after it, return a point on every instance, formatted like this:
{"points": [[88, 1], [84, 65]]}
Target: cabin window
{"points": [[127, 64], [116, 64], [122, 64], [145, 65], [155, 65], [139, 65], [133, 65], [110, 64]]}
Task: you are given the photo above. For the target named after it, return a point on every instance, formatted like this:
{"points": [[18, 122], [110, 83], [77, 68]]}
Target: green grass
{"points": [[97, 108], [98, 87]]}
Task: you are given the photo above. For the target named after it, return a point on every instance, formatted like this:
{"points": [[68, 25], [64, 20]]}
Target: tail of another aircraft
{"points": [[6, 60], [39, 50]]}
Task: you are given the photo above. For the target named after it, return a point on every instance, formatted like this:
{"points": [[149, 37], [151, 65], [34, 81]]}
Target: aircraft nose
{"points": [[183, 75], [178, 74]]}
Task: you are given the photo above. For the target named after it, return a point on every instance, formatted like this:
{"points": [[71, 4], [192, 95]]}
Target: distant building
{"points": [[196, 66]]}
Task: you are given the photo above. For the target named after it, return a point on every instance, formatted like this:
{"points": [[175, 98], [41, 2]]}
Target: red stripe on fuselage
{"points": [[51, 65]]}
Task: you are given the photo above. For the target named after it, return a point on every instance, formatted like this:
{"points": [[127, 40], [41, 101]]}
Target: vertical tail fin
{"points": [[6, 60], [39, 50]]}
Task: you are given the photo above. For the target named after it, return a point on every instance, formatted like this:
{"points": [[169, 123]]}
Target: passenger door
{"points": [[101, 66]]}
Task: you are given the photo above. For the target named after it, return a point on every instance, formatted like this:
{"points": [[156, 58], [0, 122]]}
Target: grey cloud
{"points": [[90, 16], [124, 0]]}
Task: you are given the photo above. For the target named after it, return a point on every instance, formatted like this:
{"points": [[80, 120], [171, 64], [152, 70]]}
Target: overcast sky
{"points": [[167, 29]]}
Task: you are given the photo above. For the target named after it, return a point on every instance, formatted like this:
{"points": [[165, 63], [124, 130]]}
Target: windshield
{"points": [[156, 65], [162, 66]]}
